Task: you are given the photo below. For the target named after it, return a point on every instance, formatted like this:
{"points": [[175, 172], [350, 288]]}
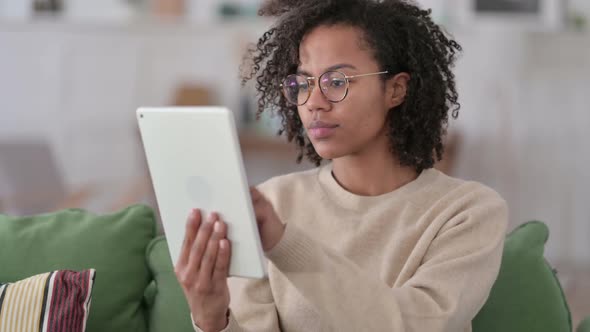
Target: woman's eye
{"points": [[338, 83]]}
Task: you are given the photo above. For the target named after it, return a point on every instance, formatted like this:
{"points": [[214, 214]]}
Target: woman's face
{"points": [[358, 122]]}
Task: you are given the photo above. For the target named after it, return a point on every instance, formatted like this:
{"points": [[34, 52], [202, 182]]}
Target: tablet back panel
{"points": [[195, 161]]}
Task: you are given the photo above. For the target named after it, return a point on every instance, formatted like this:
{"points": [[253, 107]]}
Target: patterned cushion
{"points": [[52, 302]]}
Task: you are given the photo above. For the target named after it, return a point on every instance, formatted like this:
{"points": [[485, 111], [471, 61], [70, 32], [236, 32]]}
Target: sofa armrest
{"points": [[167, 306], [584, 325]]}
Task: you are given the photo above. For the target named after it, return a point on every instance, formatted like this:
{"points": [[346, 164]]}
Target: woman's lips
{"points": [[322, 132]]}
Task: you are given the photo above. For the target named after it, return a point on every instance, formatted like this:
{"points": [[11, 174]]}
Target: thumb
{"points": [[254, 193]]}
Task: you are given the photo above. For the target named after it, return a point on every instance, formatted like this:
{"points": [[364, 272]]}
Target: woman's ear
{"points": [[397, 87]]}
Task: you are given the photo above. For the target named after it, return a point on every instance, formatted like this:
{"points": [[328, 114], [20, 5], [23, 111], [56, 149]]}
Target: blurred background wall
{"points": [[73, 72]]}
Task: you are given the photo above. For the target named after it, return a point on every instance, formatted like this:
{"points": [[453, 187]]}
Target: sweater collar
{"points": [[350, 201]]}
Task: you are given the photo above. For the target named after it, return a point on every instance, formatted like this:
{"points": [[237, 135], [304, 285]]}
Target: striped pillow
{"points": [[51, 302]]}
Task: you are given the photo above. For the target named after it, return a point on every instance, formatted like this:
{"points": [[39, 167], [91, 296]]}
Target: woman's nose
{"points": [[317, 100]]}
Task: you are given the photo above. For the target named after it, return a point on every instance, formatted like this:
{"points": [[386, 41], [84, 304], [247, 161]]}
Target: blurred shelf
{"points": [[133, 25], [253, 141], [559, 49]]}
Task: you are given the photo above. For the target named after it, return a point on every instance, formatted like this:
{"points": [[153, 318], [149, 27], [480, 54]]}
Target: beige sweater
{"points": [[422, 258]]}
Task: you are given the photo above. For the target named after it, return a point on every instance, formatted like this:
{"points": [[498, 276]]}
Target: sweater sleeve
{"points": [[446, 292], [253, 308]]}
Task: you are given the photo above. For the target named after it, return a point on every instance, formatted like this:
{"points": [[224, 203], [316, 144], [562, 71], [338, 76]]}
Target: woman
{"points": [[375, 239]]}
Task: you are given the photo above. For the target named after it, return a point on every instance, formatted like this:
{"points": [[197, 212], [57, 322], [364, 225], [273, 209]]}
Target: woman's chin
{"points": [[327, 153]]}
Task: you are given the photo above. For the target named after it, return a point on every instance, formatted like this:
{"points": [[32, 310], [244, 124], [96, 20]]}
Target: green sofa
{"points": [[132, 292], [136, 289]]}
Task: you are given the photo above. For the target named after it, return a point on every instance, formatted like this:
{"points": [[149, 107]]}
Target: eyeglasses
{"points": [[333, 85]]}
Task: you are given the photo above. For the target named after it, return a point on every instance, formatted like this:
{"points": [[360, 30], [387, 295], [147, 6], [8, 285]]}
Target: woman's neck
{"points": [[372, 174]]}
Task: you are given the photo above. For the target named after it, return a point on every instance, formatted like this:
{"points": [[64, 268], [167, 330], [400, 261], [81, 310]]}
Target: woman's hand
{"points": [[202, 270], [270, 227], [203, 266]]}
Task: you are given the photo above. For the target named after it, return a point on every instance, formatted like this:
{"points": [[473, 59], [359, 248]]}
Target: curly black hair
{"points": [[402, 38]]}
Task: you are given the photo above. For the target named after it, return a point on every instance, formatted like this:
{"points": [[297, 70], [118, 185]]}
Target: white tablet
{"points": [[195, 161]]}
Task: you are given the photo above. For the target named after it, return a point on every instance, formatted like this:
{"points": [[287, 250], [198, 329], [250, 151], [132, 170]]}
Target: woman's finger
{"points": [[208, 261], [221, 270], [255, 194], [260, 206], [193, 223], [199, 245]]}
